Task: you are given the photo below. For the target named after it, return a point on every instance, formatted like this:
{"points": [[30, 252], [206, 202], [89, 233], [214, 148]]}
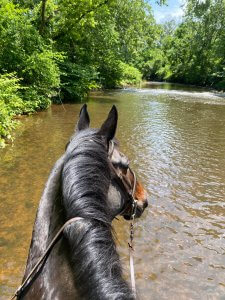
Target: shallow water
{"points": [[175, 139]]}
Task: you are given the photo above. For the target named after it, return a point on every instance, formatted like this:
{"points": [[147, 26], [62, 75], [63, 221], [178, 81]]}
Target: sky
{"points": [[172, 10]]}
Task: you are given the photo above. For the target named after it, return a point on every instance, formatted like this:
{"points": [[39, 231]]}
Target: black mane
{"points": [[85, 182]]}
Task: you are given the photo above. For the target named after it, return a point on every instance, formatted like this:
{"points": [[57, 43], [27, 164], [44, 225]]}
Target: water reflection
{"points": [[176, 147]]}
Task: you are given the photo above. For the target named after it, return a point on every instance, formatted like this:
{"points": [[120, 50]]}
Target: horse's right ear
{"points": [[108, 128], [84, 120]]}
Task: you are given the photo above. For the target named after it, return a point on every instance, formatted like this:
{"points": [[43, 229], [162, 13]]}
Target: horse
{"points": [[92, 181]]}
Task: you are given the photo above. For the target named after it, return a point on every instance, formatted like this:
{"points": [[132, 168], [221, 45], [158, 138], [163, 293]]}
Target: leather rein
{"points": [[58, 235]]}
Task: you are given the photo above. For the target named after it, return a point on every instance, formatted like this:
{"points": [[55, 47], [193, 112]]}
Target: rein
{"points": [[45, 254], [72, 220], [130, 244]]}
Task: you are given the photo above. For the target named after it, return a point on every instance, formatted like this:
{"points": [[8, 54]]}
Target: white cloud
{"points": [[173, 11]]}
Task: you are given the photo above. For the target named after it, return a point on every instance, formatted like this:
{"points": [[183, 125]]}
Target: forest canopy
{"points": [[58, 50]]}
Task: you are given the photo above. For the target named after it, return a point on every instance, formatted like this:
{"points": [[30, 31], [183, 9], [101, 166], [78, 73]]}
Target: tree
{"points": [[195, 51]]}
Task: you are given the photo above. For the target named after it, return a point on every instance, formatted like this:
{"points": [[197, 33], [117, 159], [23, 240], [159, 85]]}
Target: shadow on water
{"points": [[176, 144], [103, 97]]}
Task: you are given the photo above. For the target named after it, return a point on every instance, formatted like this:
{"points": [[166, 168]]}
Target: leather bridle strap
{"points": [[133, 213], [45, 254], [130, 244]]}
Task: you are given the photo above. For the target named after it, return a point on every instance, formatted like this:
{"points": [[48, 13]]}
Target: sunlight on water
{"points": [[181, 93], [175, 140]]}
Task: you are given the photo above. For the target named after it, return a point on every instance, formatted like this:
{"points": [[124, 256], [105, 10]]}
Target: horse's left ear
{"points": [[108, 128], [84, 120]]}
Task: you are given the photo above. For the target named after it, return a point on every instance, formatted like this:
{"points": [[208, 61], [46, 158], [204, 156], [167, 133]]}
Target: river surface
{"points": [[175, 139]]}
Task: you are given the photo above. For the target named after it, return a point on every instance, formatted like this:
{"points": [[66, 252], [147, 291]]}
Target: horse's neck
{"points": [[44, 223], [55, 279]]}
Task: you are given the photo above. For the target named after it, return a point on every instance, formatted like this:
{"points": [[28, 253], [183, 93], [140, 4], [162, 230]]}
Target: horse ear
{"points": [[84, 120], [108, 128]]}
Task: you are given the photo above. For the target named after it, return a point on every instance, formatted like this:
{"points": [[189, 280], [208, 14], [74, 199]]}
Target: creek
{"points": [[174, 136]]}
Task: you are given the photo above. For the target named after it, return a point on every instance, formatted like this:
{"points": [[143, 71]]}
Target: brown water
{"points": [[175, 139]]}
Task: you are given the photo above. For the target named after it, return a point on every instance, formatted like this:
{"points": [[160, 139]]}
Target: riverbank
{"points": [[13, 104], [146, 87], [14, 100]]}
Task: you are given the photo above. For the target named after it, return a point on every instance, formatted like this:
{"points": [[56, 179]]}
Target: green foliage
{"points": [[101, 45], [99, 35], [11, 104], [110, 72], [115, 73], [194, 51], [130, 74], [62, 49], [220, 76], [77, 80], [41, 74], [26, 55], [24, 51], [156, 67]]}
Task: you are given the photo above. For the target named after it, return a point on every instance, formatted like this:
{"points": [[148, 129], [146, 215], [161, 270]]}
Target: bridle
{"points": [[123, 182], [132, 203]]}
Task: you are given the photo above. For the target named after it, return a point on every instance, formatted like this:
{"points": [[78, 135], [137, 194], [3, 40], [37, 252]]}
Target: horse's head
{"points": [[124, 187], [130, 188]]}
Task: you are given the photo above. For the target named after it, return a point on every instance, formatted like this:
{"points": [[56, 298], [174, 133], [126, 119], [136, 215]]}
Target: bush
{"points": [[77, 80], [41, 72], [11, 104], [157, 66], [220, 85], [219, 79], [129, 74], [115, 73], [24, 51], [110, 72]]}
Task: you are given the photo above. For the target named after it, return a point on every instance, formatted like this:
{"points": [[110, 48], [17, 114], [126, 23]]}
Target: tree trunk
{"points": [[42, 24]]}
